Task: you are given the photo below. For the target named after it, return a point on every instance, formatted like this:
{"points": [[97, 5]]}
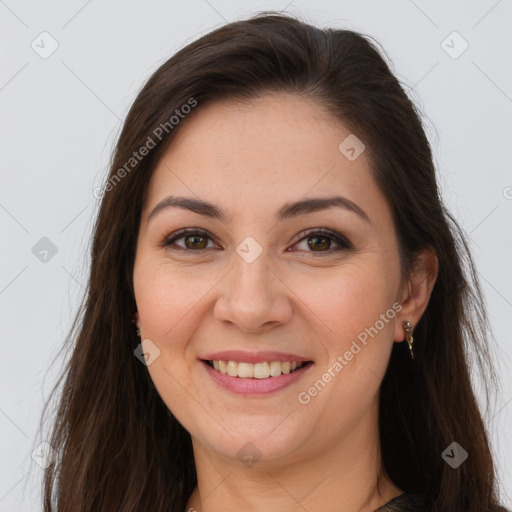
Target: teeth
{"points": [[275, 368], [232, 368], [262, 370], [246, 370]]}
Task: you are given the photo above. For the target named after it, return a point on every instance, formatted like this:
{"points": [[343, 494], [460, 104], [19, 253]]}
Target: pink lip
{"points": [[255, 387], [252, 357]]}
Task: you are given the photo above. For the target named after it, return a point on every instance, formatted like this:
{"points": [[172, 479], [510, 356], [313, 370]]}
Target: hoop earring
{"points": [[410, 340]]}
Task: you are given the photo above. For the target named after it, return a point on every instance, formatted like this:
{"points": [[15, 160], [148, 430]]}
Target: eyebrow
{"points": [[287, 211]]}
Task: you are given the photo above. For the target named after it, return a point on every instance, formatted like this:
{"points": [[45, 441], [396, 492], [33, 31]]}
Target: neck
{"points": [[347, 476]]}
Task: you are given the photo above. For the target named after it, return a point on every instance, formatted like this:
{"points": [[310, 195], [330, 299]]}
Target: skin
{"points": [[249, 159]]}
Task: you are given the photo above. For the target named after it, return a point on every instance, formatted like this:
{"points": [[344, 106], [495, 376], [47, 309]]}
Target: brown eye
{"points": [[193, 240], [317, 242], [320, 242]]}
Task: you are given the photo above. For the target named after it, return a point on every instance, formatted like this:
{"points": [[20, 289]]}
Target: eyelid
{"points": [[183, 233], [341, 240], [338, 238]]}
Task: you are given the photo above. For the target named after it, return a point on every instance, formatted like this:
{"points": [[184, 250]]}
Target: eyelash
{"points": [[342, 242]]}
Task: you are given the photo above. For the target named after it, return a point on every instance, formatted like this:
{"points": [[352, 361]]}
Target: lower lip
{"points": [[258, 387]]}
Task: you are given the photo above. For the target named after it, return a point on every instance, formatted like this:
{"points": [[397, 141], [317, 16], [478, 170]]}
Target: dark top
{"points": [[407, 502]]}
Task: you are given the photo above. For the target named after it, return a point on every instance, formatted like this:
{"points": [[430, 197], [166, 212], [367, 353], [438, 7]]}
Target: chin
{"points": [[266, 443]]}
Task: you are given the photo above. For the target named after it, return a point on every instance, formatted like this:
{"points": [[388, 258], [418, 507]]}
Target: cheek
{"points": [[166, 300], [355, 313], [351, 301]]}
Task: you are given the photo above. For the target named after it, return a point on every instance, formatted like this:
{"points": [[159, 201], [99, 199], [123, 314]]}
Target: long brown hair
{"points": [[119, 448]]}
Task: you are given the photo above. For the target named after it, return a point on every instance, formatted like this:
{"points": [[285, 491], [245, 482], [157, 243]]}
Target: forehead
{"points": [[269, 150]]}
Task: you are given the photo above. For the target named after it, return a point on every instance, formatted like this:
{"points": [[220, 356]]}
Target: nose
{"points": [[253, 297]]}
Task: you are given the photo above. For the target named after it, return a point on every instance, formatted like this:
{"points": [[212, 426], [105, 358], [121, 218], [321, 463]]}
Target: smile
{"points": [[261, 370], [257, 378]]}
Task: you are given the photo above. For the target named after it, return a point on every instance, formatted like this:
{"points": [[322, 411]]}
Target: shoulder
{"points": [[407, 502]]}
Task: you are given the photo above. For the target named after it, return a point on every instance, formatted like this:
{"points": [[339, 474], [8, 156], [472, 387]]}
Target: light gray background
{"points": [[60, 117]]}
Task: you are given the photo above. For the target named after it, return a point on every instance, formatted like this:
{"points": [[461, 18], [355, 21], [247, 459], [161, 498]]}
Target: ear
{"points": [[417, 292], [136, 318]]}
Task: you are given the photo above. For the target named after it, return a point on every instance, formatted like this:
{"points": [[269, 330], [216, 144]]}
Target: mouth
{"points": [[260, 370], [255, 374]]}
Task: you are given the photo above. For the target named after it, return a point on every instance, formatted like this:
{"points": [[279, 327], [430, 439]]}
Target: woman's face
{"points": [[259, 285]]}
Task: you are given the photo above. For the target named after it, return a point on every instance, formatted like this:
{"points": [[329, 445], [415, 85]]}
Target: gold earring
{"points": [[138, 332], [409, 330]]}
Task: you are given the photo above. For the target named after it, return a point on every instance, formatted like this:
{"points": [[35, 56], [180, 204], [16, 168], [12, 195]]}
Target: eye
{"points": [[319, 242], [193, 240]]}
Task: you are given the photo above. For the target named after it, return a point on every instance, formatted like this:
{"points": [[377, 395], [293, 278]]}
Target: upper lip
{"points": [[253, 357]]}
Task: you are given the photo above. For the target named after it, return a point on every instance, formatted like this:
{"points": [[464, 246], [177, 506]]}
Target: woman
{"points": [[277, 315]]}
